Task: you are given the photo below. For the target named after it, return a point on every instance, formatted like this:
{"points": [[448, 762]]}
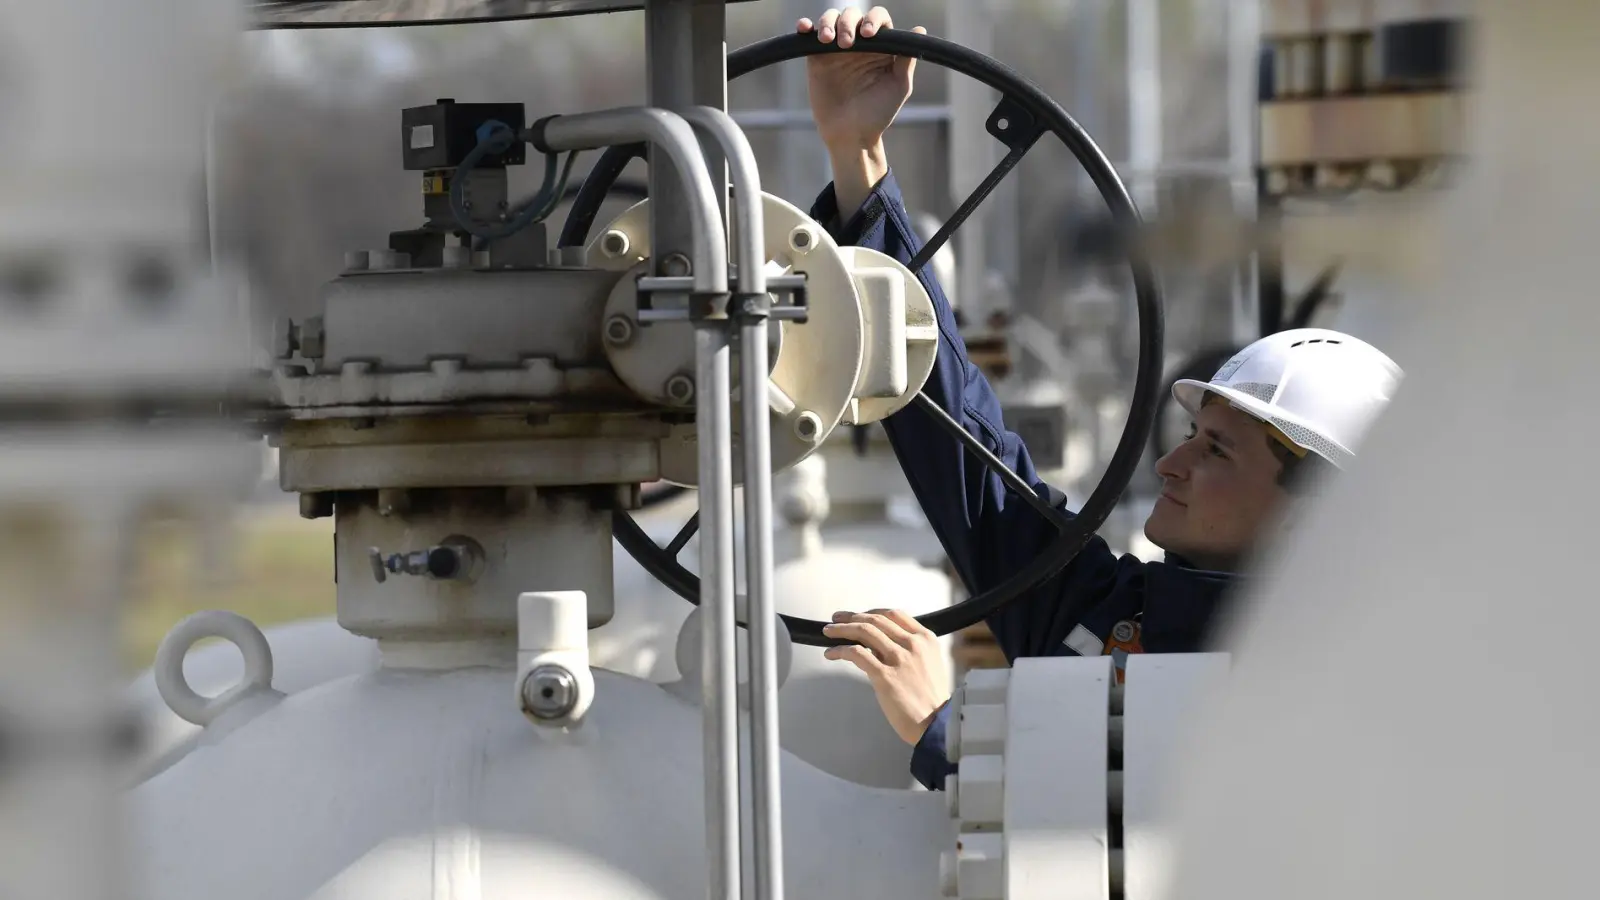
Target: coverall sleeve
{"points": [[930, 762], [987, 533]]}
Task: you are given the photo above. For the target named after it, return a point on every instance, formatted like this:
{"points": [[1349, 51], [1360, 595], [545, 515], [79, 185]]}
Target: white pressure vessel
{"points": [[430, 784]]}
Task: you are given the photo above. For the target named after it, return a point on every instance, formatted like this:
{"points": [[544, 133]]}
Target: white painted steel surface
{"points": [[1411, 710], [1057, 712], [406, 783], [1159, 698]]}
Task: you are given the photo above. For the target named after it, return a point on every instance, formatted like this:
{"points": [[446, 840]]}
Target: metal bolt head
{"points": [[549, 692], [676, 265], [619, 330], [808, 427], [614, 244], [679, 388], [802, 239]]}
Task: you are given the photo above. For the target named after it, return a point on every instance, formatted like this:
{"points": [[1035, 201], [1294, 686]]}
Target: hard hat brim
{"points": [[1190, 394]]}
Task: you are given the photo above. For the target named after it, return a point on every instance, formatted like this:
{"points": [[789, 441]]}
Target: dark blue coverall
{"points": [[1100, 604]]}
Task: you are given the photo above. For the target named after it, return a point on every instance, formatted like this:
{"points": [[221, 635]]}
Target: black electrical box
{"points": [[440, 136]]}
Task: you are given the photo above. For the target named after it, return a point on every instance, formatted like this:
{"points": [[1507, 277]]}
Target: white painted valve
{"points": [[867, 346], [554, 684]]}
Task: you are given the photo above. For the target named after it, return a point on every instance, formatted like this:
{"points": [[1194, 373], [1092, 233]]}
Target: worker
{"points": [[1286, 407]]}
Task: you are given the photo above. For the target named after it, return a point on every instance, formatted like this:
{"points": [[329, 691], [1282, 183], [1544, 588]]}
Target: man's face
{"points": [[1218, 489]]}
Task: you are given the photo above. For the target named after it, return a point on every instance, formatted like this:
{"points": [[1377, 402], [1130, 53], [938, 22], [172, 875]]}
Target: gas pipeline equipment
{"points": [[476, 412]]}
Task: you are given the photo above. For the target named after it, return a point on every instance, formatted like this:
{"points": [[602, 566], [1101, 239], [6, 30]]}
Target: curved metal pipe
{"points": [[670, 132], [749, 240]]}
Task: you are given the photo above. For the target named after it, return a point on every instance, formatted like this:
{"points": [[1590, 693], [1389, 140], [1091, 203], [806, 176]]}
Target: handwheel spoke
{"points": [[1013, 481], [681, 539], [969, 205]]}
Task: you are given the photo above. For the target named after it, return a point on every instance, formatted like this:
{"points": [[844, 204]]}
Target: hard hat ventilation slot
{"points": [[1316, 341]]}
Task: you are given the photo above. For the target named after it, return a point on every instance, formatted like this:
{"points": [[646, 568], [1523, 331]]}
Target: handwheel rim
{"points": [[1076, 530]]}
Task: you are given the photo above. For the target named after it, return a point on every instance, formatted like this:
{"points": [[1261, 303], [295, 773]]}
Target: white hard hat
{"points": [[1321, 389]]}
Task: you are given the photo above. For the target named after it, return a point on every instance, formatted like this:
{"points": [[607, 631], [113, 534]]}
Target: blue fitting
{"points": [[496, 134]]}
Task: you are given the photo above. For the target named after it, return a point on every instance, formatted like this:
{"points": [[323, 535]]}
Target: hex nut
{"points": [[679, 388], [549, 692], [802, 239], [619, 331], [808, 427], [676, 265], [615, 244]]}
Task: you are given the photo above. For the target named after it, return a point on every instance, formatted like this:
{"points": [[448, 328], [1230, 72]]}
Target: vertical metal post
{"points": [[686, 66], [211, 189], [990, 241], [749, 310], [1088, 86], [1244, 47], [708, 51], [719, 688], [756, 429], [1144, 102], [804, 159]]}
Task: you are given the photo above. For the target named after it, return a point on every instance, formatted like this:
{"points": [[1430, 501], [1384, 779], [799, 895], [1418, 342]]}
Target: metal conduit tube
{"points": [[718, 677], [669, 131], [713, 415], [756, 429], [749, 242]]}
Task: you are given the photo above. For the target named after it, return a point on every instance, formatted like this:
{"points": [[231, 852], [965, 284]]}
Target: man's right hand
{"points": [[855, 97]]}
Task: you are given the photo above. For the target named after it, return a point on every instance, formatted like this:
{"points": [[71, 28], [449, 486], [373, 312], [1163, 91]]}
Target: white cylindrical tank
{"points": [[419, 784], [828, 714]]}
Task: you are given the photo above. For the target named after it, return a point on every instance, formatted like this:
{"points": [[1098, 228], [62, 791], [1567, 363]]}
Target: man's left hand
{"points": [[902, 659]]}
